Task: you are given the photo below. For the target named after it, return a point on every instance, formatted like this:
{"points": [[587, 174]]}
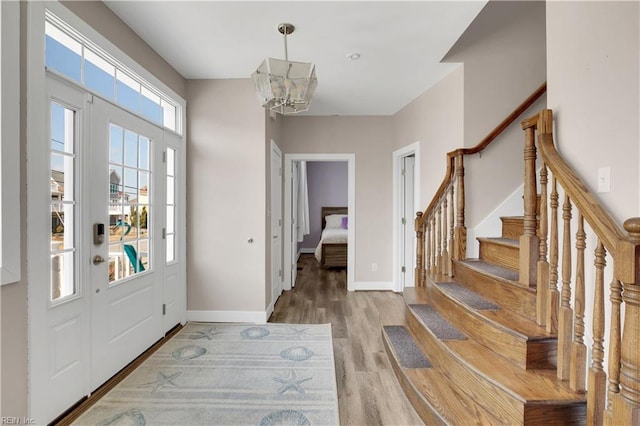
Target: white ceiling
{"points": [[400, 43]]}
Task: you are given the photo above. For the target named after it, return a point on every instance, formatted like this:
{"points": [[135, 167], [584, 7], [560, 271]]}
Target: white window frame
{"points": [[10, 247]]}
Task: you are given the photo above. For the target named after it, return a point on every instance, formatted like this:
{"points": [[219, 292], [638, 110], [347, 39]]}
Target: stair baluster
{"points": [[565, 319], [419, 274], [451, 231], [615, 335], [578, 349], [445, 251], [460, 251], [553, 295], [434, 252], [428, 244], [597, 376], [439, 259], [542, 270]]}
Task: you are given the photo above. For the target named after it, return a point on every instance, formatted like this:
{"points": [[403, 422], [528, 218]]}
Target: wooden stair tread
{"points": [[527, 386], [508, 276], [429, 392], [510, 242], [511, 322], [539, 386]]}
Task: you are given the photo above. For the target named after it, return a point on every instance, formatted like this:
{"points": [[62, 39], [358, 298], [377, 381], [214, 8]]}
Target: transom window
{"points": [[68, 54]]}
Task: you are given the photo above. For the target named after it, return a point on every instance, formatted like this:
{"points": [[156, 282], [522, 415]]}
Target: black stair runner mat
{"points": [[436, 323], [493, 269], [407, 352], [467, 296]]}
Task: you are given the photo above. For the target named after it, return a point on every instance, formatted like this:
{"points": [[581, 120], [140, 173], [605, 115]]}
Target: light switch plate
{"points": [[604, 179]]}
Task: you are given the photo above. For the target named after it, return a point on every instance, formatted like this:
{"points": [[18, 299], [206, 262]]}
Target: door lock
{"points": [[97, 259]]}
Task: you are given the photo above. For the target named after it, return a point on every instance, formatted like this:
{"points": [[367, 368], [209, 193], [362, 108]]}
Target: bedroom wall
{"points": [[327, 185], [370, 138], [226, 200]]}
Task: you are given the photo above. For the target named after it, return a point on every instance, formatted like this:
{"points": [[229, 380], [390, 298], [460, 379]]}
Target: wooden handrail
{"points": [[451, 156], [598, 218]]}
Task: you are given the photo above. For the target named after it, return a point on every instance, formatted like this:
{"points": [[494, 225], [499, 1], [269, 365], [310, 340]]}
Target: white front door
{"points": [[276, 222], [100, 246], [125, 191]]}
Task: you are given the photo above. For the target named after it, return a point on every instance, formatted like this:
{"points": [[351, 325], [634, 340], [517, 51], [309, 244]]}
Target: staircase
{"points": [[517, 336], [500, 368]]}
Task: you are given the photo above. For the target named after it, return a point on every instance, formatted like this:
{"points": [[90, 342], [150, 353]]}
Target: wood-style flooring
{"points": [[368, 391]]}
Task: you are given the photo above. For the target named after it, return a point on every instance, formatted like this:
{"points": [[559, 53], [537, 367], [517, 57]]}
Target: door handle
{"points": [[97, 259]]}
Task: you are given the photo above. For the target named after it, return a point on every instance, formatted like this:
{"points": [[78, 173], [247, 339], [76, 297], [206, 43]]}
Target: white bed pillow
{"points": [[334, 221]]}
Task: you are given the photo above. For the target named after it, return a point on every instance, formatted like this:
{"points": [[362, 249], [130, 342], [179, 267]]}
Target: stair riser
{"points": [[512, 228], [499, 254], [517, 299], [537, 354], [502, 406], [418, 400]]}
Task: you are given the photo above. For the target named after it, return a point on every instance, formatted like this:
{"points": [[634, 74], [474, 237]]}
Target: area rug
{"points": [[221, 374]]}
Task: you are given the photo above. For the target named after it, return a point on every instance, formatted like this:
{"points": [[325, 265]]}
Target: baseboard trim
{"points": [[254, 317], [307, 250], [373, 286]]}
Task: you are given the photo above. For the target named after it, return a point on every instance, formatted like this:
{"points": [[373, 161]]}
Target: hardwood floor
{"points": [[368, 391]]}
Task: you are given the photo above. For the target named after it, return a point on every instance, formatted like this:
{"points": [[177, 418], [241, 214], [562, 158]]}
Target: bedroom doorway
{"points": [[293, 166], [406, 172]]}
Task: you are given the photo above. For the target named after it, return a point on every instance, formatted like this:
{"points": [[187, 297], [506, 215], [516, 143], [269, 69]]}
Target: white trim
{"points": [[351, 205], [306, 250], [413, 149], [276, 287], [374, 286], [255, 317], [10, 148]]}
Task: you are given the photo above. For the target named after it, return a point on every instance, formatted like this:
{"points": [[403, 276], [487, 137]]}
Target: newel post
{"points": [[627, 410], [420, 271], [460, 230]]}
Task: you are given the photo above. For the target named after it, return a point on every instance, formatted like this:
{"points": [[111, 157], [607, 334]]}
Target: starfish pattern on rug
{"points": [[207, 334], [291, 382], [161, 381]]}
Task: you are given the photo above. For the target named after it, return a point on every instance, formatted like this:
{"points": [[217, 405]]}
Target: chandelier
{"points": [[285, 86]]}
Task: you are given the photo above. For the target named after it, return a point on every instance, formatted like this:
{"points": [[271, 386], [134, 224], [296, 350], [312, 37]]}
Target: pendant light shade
{"points": [[285, 86]]}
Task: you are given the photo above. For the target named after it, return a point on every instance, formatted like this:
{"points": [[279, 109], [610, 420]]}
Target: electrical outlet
{"points": [[604, 179], [374, 267]]}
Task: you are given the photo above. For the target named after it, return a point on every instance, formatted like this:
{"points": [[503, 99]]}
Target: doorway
{"points": [[406, 190], [291, 220], [106, 244]]}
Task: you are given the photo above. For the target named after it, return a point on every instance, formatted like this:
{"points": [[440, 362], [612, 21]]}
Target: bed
{"points": [[331, 252]]}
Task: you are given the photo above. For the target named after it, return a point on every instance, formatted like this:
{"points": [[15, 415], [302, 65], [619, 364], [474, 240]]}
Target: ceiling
{"points": [[400, 44]]}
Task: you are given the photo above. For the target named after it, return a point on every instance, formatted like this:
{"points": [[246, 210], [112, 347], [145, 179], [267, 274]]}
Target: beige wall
{"points": [[593, 73], [435, 119], [504, 56], [107, 23], [371, 140], [226, 197]]}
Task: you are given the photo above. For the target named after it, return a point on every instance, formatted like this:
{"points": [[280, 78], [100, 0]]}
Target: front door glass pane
{"points": [[62, 201], [129, 203]]}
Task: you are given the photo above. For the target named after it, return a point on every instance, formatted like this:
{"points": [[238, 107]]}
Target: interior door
{"points": [[408, 211], [294, 222], [126, 227], [276, 222]]}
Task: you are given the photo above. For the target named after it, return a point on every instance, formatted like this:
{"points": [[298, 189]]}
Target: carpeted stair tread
{"points": [[466, 296], [439, 326], [405, 348], [495, 270]]}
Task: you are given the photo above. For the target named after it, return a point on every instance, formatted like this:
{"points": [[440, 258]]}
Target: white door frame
{"points": [[276, 280], [351, 205], [413, 149]]}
